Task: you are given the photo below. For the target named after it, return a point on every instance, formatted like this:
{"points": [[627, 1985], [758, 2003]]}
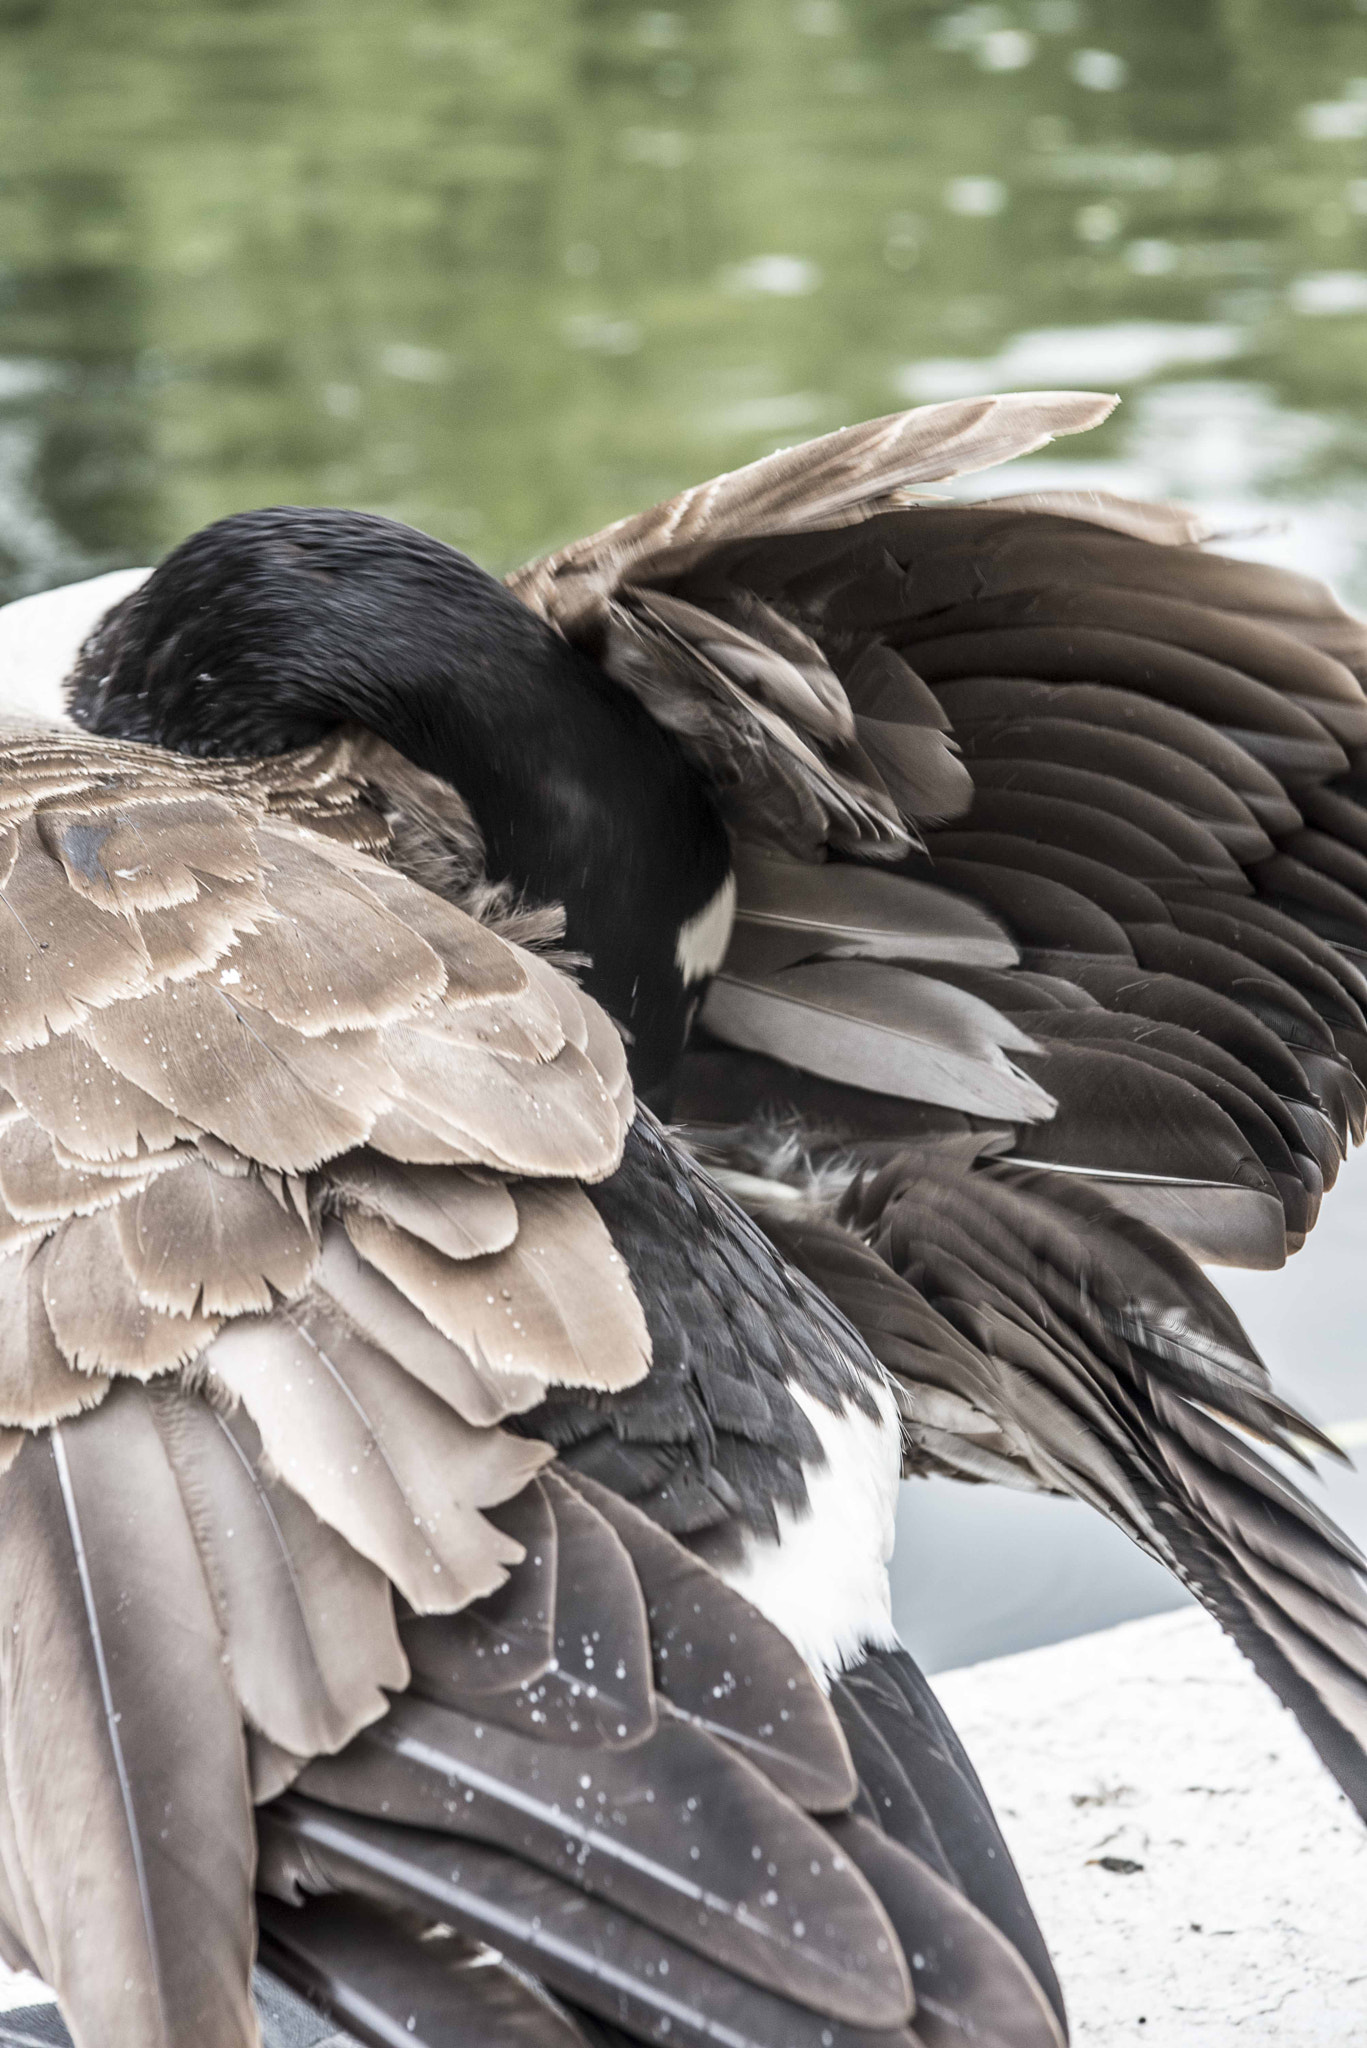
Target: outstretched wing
{"points": [[293, 1159], [794, 745], [1107, 1011]]}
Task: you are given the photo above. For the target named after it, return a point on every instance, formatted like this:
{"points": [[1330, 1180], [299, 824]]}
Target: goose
{"points": [[975, 1061], [317, 1184]]}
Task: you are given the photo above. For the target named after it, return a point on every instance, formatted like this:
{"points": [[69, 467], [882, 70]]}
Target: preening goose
{"points": [[315, 1185], [1006, 1028]]}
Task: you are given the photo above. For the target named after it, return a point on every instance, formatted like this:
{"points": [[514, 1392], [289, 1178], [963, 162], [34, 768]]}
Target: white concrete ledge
{"points": [[1155, 1744]]}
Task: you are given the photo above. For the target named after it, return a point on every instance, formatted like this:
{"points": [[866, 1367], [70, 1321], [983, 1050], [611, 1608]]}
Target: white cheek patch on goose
{"points": [[702, 942], [41, 636]]}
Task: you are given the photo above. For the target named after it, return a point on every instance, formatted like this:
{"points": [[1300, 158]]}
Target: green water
{"points": [[509, 269]]}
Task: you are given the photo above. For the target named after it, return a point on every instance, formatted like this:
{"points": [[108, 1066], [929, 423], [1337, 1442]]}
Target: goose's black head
{"points": [[268, 629]]}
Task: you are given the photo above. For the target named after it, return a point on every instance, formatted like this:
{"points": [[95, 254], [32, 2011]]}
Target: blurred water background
{"points": [[510, 268]]}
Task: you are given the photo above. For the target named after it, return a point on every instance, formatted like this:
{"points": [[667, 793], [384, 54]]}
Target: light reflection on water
{"points": [[510, 268]]}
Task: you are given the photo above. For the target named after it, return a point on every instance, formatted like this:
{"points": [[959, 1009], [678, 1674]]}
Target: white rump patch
{"points": [[825, 1581], [701, 945], [41, 636]]}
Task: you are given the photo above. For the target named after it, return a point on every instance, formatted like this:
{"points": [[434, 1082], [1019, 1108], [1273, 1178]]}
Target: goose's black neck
{"points": [[267, 630]]}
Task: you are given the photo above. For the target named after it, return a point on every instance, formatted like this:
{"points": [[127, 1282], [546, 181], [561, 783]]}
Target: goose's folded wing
{"points": [[294, 1161]]}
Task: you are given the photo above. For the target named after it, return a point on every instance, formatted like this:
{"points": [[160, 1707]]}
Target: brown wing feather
{"points": [[200, 1071]]}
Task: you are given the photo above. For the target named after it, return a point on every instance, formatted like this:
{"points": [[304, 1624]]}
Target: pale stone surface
{"points": [[1154, 1742]]}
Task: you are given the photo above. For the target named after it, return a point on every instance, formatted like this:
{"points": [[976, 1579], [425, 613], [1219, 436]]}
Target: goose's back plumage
{"points": [[308, 1205]]}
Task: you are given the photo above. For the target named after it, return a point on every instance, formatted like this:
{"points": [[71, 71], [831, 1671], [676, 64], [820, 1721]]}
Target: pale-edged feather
{"points": [[884, 1028], [480, 966], [461, 1215], [131, 851], [292, 1101], [221, 1244], [554, 1119], [91, 1111], [37, 1383], [506, 1641], [412, 1140], [331, 957], [127, 1808], [194, 937], [58, 953], [39, 1187], [387, 1318], [376, 1455], [308, 1624], [99, 1319], [558, 1301]]}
